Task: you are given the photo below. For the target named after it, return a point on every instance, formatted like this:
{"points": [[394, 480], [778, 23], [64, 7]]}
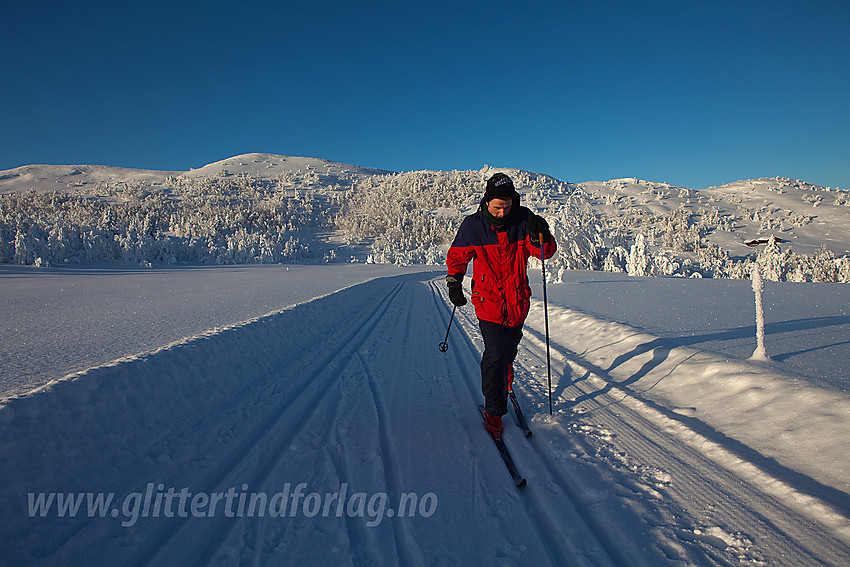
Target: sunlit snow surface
{"points": [[666, 445]]}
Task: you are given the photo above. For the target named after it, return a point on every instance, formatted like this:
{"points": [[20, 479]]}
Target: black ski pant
{"points": [[500, 348]]}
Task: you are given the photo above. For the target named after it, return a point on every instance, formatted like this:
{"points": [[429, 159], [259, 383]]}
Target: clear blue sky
{"points": [[692, 92]]}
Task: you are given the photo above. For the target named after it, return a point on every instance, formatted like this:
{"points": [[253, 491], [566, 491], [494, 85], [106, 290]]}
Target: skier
{"points": [[498, 238]]}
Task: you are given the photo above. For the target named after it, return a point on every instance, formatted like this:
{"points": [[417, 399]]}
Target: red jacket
{"points": [[499, 254]]}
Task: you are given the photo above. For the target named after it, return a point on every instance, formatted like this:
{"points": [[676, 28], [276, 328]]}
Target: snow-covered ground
{"points": [[256, 415], [59, 321]]}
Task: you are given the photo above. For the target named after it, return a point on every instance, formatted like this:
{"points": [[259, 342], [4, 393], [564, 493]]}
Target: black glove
{"points": [[455, 291], [537, 226]]}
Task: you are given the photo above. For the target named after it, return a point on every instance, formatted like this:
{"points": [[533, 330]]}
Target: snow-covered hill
{"points": [[270, 166], [95, 178], [261, 208], [50, 178], [803, 215]]}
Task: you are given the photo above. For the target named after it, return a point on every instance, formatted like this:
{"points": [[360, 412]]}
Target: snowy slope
{"points": [[660, 451], [800, 213], [47, 178], [271, 165]]}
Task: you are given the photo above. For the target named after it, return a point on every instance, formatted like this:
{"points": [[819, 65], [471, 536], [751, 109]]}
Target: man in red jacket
{"points": [[498, 239]]}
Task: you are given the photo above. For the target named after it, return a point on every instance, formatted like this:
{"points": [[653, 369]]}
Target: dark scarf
{"points": [[490, 219]]}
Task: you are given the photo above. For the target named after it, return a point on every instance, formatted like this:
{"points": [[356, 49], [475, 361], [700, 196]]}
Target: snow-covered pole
{"points": [[758, 286], [546, 320]]}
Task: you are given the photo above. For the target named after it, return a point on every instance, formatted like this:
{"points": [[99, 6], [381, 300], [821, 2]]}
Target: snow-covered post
{"points": [[758, 286]]}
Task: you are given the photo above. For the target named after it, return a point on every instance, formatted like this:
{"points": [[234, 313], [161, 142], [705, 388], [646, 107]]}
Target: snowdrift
{"points": [[742, 403]]}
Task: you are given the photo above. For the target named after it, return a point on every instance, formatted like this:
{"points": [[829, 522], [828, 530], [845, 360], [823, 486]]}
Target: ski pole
{"points": [[444, 346], [546, 319]]}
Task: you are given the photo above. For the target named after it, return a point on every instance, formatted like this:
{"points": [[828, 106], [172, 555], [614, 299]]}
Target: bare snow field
{"points": [[59, 321], [303, 415]]}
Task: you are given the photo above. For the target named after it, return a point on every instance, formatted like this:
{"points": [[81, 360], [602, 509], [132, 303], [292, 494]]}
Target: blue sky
{"points": [[695, 93]]}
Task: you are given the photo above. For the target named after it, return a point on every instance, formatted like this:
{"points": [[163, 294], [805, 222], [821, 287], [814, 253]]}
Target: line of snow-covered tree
{"points": [[208, 220], [412, 218], [407, 218]]}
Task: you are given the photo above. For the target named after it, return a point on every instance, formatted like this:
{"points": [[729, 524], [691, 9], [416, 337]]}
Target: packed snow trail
{"points": [[335, 432], [346, 394]]}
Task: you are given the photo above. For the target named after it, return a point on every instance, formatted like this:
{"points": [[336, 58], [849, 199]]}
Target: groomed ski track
{"points": [[349, 394]]}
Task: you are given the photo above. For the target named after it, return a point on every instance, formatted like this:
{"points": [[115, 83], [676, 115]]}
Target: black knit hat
{"points": [[500, 186]]}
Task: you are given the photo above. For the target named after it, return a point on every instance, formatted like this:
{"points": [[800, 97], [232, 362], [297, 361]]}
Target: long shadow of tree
{"points": [[661, 347]]}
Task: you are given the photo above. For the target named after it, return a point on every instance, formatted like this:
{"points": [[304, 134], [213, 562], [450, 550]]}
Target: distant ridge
{"points": [[41, 177]]}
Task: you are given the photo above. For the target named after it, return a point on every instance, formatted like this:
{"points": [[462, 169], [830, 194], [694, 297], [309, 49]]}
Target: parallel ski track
{"points": [[404, 542], [783, 536], [700, 483], [284, 419], [562, 551], [407, 550]]}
